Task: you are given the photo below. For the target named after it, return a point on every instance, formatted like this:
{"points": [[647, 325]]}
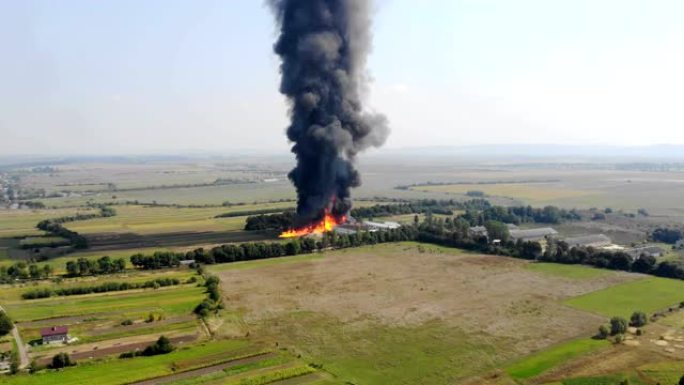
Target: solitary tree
{"points": [[618, 325], [638, 319], [603, 332], [61, 360], [6, 324], [162, 346]]}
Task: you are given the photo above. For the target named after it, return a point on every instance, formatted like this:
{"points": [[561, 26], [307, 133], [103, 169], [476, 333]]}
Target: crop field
{"points": [[23, 222], [235, 361], [204, 195], [12, 293], [648, 295], [407, 313], [536, 193], [117, 371], [155, 220], [169, 301]]}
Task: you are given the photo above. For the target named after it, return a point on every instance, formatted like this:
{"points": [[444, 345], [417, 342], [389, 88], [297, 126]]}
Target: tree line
{"points": [[104, 265], [520, 214], [477, 213], [213, 302], [55, 226], [455, 233], [450, 232], [262, 250], [279, 221], [102, 288], [22, 270], [667, 235], [75, 239]]}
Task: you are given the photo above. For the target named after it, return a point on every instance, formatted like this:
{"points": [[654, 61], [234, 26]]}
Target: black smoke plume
{"points": [[323, 45]]}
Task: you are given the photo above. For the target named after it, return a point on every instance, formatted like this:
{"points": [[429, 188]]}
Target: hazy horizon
{"points": [[176, 76]]}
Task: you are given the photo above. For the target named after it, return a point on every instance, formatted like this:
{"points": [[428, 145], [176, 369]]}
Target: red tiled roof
{"points": [[54, 331]]}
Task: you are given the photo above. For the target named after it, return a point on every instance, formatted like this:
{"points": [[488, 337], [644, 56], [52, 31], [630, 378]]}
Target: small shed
{"points": [[55, 334]]}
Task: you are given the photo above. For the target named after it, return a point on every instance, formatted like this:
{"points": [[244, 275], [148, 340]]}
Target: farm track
{"points": [[142, 325], [23, 355], [206, 370], [99, 353], [299, 380]]}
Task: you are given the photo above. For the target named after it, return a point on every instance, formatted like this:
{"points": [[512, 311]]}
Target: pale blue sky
{"points": [[133, 76]]}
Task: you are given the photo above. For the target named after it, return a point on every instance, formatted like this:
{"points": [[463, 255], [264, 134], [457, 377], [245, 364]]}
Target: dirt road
{"points": [[203, 371], [23, 355]]}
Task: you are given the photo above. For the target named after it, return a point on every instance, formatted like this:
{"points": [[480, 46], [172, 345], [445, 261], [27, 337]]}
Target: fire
{"points": [[326, 224]]}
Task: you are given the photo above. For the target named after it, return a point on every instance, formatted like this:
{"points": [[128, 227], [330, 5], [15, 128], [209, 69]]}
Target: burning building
{"points": [[323, 45]]}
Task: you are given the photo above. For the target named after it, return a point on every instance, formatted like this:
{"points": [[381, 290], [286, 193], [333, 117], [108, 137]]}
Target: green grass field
{"points": [[263, 262], [668, 372], [156, 220], [432, 353], [11, 293], [615, 379], [116, 371], [220, 377], [23, 222], [540, 362], [648, 295], [569, 271], [170, 301]]}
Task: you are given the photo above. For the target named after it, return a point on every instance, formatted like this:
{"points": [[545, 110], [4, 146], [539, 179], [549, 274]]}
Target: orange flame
{"points": [[326, 224]]}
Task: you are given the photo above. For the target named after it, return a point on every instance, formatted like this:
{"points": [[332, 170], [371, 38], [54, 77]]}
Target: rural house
{"points": [[55, 334], [534, 235], [652, 251], [478, 231], [597, 240], [376, 226]]}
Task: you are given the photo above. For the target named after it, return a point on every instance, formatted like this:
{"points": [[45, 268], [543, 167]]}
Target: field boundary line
{"points": [[256, 357]]}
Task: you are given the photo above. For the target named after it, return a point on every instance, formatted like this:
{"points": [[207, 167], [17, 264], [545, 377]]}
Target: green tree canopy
{"points": [[497, 230], [638, 319], [618, 325], [6, 324], [61, 360]]}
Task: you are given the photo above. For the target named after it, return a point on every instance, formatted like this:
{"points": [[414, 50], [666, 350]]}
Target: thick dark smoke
{"points": [[323, 45]]}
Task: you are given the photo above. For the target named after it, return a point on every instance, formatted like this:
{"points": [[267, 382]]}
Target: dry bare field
{"points": [[407, 313]]}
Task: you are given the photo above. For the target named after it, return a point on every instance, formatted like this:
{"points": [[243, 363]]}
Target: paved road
{"points": [[23, 355]]}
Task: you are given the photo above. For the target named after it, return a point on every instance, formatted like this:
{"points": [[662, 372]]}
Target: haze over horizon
{"points": [[169, 76]]}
